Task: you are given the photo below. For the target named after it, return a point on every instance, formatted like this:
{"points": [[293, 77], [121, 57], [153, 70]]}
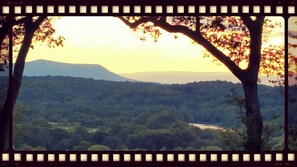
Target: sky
{"points": [[292, 28], [292, 25], [109, 42]]}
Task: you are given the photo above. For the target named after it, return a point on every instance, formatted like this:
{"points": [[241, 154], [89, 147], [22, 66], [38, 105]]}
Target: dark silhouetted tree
{"points": [[25, 31]]}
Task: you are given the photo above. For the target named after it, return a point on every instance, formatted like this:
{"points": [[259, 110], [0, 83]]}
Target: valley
{"points": [[71, 113]]}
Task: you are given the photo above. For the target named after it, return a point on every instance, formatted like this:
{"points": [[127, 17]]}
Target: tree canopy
{"points": [[43, 32]]}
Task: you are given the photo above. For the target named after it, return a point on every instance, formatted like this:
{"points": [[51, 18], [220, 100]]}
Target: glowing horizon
{"points": [[107, 41]]}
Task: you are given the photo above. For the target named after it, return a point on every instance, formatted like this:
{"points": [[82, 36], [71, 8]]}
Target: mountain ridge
{"points": [[182, 77], [43, 67]]}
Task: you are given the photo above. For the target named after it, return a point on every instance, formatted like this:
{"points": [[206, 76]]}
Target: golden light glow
{"points": [[109, 42]]}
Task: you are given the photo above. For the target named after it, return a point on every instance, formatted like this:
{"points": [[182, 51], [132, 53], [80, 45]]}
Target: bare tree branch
{"points": [[38, 22], [197, 30], [22, 20], [162, 22]]}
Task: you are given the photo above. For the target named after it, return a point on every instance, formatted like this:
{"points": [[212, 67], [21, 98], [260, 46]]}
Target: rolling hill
{"points": [[46, 67], [60, 113], [182, 77], [98, 72]]}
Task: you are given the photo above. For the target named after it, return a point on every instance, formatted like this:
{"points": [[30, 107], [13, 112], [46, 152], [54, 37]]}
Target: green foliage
{"points": [[83, 145], [98, 148], [77, 113], [211, 148], [292, 106], [26, 147], [19, 131], [278, 143], [233, 139], [271, 128], [293, 138]]}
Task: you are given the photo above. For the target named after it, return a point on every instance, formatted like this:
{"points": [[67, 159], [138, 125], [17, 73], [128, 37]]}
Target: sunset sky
{"points": [[292, 23], [109, 42], [292, 27]]}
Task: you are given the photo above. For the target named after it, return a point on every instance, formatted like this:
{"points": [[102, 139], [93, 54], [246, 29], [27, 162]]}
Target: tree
{"points": [[18, 132], [24, 31], [235, 42], [268, 128], [26, 147], [98, 148], [292, 89], [83, 145]]}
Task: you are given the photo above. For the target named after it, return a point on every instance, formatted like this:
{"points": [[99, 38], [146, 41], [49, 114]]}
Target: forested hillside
{"points": [[292, 119], [66, 113]]}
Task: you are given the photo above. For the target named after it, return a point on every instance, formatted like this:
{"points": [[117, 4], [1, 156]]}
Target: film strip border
{"points": [[148, 157], [147, 9]]}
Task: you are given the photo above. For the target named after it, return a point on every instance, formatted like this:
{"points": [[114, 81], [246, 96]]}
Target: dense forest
{"points": [[67, 113], [292, 119]]}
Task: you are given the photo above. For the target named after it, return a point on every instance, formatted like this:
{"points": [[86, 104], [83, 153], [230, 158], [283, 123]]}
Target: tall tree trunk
{"points": [[4, 126], [3, 83], [20, 65], [4, 108], [254, 121]]}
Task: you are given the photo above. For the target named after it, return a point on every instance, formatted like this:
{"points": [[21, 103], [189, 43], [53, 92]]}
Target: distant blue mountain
{"points": [[46, 67]]}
